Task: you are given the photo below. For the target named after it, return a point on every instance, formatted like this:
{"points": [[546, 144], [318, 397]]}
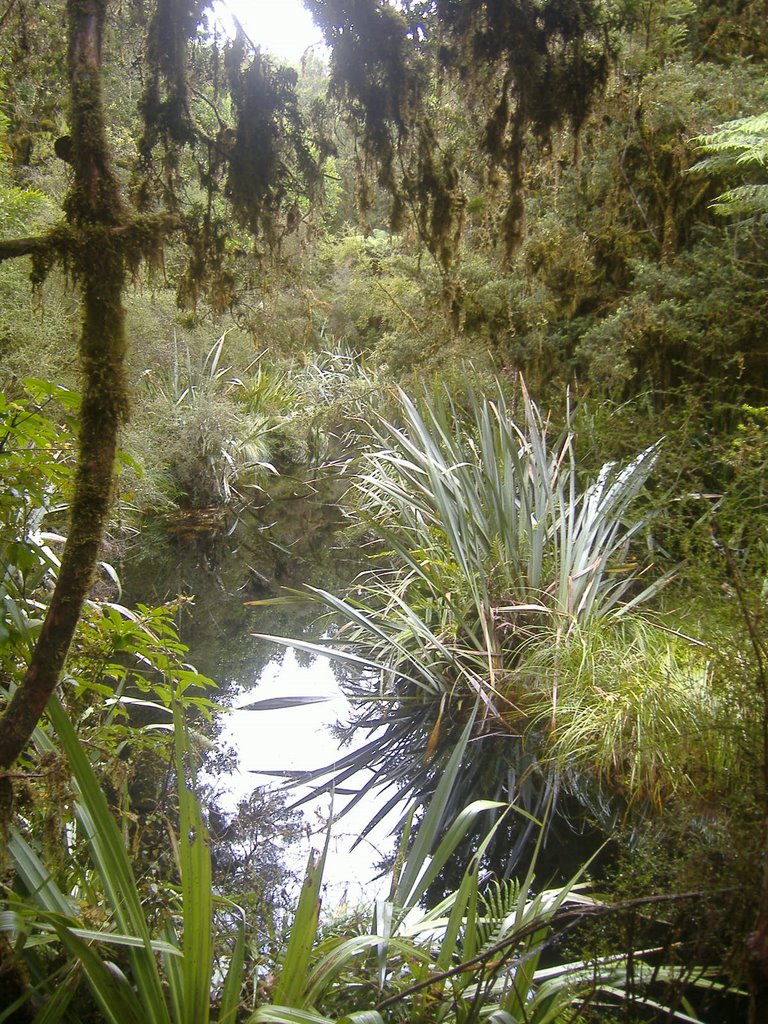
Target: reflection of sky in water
{"points": [[286, 543], [299, 738]]}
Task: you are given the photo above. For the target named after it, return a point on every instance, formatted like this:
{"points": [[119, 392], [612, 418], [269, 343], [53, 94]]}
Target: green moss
{"points": [[165, 103], [268, 146]]}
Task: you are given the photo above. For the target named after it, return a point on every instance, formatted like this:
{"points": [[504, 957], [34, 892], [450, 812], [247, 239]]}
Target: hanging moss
{"points": [[270, 161], [531, 66], [165, 103], [374, 71], [380, 73], [261, 158], [553, 57], [206, 271], [139, 243], [430, 186]]}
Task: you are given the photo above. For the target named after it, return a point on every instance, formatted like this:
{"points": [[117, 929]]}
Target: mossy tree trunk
{"points": [[93, 210]]}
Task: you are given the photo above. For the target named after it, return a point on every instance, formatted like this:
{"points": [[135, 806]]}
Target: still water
{"points": [[226, 566], [298, 739]]}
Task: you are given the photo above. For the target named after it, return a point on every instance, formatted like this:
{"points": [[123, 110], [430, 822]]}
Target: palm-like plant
{"points": [[496, 549]]}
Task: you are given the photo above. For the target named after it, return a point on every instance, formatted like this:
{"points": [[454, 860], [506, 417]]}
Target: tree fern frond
{"points": [[745, 140], [732, 150], [744, 199]]}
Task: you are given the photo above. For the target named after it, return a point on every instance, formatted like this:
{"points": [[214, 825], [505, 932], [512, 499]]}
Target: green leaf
{"points": [[110, 860], [36, 878], [291, 984], [229, 1004], [41, 389], [109, 985], [341, 956], [287, 1015], [409, 889], [57, 1003], [196, 884]]}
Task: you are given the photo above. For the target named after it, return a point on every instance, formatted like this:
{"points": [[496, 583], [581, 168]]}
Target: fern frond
{"points": [[737, 148], [744, 199], [743, 141], [500, 901]]}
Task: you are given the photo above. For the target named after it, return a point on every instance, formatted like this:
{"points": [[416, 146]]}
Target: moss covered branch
{"points": [[139, 239], [11, 248], [94, 212]]}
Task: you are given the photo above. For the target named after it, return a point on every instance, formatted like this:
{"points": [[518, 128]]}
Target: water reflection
{"points": [[297, 538], [225, 561], [299, 739]]}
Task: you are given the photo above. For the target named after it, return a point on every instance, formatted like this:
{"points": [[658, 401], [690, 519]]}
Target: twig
{"points": [[635, 197], [401, 308], [24, 775]]}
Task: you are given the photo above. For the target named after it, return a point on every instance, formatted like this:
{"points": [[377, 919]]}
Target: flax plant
{"points": [[495, 548], [135, 975], [216, 441]]}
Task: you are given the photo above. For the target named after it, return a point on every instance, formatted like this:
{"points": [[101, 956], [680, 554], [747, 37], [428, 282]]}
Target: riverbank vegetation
{"points": [[476, 306]]}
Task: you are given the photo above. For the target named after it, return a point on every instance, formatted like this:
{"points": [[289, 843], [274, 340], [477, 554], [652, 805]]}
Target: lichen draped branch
{"points": [[94, 208]]}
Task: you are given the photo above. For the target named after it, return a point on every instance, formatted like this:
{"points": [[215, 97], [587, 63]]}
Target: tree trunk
{"points": [[93, 210]]}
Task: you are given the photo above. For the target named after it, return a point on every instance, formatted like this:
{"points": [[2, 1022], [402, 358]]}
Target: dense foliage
{"points": [[492, 282]]}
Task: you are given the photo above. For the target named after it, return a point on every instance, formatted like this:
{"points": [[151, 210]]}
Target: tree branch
{"points": [[94, 211], [10, 248], [54, 240]]}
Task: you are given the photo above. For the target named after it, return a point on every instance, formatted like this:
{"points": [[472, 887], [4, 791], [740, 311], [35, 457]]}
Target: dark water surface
{"points": [[223, 560]]}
